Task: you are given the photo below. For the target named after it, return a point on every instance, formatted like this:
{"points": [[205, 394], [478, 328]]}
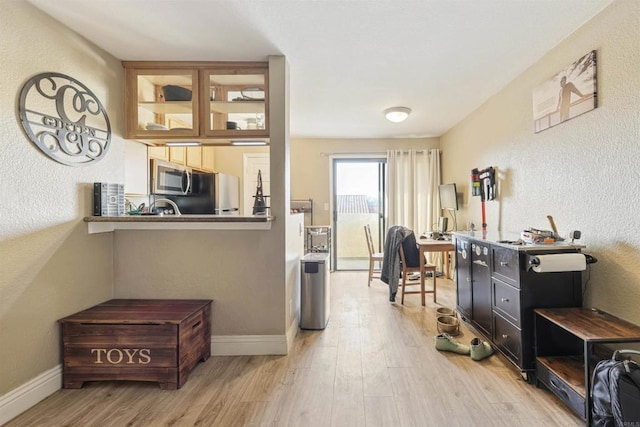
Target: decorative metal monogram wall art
{"points": [[64, 119]]}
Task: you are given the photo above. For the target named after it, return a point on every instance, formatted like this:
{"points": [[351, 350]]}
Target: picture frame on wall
{"points": [[569, 93]]}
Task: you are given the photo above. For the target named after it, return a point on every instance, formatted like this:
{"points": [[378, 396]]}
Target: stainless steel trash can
{"points": [[314, 292]]}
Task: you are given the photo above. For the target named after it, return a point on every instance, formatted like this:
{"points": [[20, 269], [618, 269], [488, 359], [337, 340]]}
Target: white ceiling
{"points": [[349, 59]]}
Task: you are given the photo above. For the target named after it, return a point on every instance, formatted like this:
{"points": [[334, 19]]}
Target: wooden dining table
{"points": [[431, 245]]}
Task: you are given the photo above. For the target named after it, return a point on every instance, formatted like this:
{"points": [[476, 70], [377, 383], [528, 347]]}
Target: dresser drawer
{"points": [[506, 300], [561, 389], [505, 264], [508, 338]]}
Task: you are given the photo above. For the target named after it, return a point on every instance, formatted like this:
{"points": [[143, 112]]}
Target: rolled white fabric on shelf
{"points": [[560, 262]]}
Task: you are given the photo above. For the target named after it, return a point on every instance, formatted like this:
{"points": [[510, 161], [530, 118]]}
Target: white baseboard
{"points": [[292, 332], [27, 395], [248, 345]]}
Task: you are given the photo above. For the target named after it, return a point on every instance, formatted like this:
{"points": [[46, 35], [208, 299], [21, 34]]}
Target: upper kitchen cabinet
{"points": [[205, 101], [161, 103], [238, 102]]}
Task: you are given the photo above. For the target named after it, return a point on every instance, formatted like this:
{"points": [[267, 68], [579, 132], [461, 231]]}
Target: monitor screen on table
{"points": [[448, 197]]}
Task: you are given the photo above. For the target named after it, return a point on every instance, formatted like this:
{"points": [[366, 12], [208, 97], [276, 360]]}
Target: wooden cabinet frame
{"points": [[160, 107], [201, 106], [220, 108]]}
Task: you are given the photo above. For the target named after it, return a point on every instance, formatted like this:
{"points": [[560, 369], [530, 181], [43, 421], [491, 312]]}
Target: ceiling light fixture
{"points": [[248, 143], [397, 114]]}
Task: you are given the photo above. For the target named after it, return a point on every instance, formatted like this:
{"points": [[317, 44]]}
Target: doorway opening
{"points": [[358, 198]]}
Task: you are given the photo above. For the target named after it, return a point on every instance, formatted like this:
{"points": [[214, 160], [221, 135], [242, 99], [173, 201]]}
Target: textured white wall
{"points": [[50, 267], [584, 172]]}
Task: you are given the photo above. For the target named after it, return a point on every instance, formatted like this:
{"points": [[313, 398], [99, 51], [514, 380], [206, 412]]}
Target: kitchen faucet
{"points": [[171, 202]]}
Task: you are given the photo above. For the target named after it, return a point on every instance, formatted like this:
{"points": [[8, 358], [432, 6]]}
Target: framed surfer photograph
{"points": [[567, 94]]}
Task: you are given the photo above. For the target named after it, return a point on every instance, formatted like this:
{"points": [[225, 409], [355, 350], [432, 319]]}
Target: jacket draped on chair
{"points": [[398, 235]]}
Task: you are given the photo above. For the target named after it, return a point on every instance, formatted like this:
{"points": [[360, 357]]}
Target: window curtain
{"points": [[433, 201], [412, 190]]}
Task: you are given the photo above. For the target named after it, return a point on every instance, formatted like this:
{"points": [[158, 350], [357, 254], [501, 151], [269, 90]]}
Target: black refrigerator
{"points": [[211, 194]]}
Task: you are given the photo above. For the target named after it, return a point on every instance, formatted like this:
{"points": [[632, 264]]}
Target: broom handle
{"points": [[553, 225]]}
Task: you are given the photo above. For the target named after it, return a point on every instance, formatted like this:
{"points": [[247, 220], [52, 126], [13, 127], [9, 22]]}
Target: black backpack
{"points": [[615, 392]]}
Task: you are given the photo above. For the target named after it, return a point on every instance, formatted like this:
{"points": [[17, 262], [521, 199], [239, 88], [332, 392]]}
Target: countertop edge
{"points": [[178, 218], [104, 224]]}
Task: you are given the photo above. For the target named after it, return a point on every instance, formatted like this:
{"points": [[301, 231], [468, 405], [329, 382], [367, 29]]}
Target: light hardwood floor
{"points": [[374, 365]]}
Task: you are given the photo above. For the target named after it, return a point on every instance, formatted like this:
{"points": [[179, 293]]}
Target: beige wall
{"points": [[231, 267], [50, 267], [310, 169], [584, 172]]}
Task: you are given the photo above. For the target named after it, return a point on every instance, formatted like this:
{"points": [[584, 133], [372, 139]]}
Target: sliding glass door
{"points": [[358, 199]]}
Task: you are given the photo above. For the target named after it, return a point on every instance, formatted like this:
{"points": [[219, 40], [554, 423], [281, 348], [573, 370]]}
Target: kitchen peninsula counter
{"points": [[106, 224]]}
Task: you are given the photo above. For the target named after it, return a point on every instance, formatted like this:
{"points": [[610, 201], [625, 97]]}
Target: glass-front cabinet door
{"points": [[237, 102], [162, 103]]}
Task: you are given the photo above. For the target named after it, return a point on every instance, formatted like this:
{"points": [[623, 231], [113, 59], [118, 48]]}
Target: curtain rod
{"points": [[371, 153]]}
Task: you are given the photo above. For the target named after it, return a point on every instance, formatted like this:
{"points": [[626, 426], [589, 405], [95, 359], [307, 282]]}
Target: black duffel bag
{"points": [[615, 392]]}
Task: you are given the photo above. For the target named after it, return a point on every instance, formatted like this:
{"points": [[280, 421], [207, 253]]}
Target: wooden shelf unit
{"points": [[237, 107], [318, 239], [568, 343]]}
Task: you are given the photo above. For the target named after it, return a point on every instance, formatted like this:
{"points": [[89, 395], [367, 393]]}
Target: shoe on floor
{"points": [[480, 349], [444, 342], [392, 297]]}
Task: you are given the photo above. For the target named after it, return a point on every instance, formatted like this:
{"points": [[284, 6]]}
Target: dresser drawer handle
{"points": [[505, 336], [195, 325], [504, 299], [504, 264]]}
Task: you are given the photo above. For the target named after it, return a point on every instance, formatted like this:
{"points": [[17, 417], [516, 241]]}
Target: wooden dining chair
{"points": [[374, 257], [406, 270]]}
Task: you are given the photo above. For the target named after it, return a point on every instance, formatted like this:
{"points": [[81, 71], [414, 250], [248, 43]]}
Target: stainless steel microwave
{"points": [[170, 178]]}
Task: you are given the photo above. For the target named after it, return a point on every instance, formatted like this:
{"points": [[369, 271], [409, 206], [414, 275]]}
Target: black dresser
{"points": [[497, 291]]}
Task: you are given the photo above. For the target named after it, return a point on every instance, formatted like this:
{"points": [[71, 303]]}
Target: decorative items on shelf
{"points": [[259, 204], [176, 93]]}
